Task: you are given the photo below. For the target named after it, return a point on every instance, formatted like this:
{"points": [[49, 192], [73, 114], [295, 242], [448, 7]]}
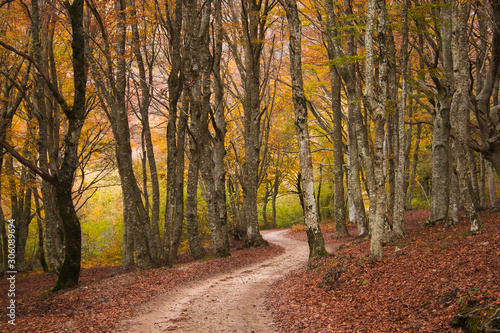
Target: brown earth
{"points": [[419, 286], [108, 295]]}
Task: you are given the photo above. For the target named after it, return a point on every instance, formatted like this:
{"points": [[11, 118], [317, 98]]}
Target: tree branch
{"points": [[27, 163]]}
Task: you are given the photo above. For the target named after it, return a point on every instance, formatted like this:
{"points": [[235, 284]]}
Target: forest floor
{"points": [[421, 283], [419, 286]]}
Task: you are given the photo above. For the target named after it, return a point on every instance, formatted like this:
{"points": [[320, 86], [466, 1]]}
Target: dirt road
{"points": [[231, 302]]}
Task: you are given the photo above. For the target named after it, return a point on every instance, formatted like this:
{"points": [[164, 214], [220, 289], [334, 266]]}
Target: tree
{"points": [[171, 20], [460, 107], [376, 105], [64, 178], [254, 16], [314, 235], [489, 138], [13, 89], [399, 195], [111, 82], [335, 82]]}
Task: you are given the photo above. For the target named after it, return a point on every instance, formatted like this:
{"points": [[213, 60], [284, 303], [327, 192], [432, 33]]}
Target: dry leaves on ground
{"points": [[106, 295], [419, 285]]}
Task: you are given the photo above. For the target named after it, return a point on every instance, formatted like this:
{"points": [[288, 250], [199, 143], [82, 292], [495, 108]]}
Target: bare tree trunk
{"points": [[174, 238], [70, 270], [46, 111], [454, 204], [399, 181], [441, 127], [460, 108], [338, 156], [354, 188], [490, 140], [41, 252], [273, 199], [472, 167], [220, 125], [347, 72], [482, 181], [265, 201], [146, 80], [194, 93], [314, 235], [318, 197], [173, 25], [253, 19], [111, 86], [491, 182], [413, 175], [192, 202], [377, 108]]}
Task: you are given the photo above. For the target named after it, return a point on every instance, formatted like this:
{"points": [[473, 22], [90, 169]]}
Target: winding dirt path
{"points": [[230, 302]]}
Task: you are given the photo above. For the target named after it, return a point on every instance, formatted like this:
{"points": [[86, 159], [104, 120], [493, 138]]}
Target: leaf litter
{"points": [[418, 286]]}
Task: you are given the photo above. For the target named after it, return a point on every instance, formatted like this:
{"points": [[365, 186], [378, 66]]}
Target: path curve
{"points": [[229, 302]]}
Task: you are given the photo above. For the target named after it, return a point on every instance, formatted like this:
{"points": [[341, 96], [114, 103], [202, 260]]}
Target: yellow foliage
{"points": [[298, 228]]}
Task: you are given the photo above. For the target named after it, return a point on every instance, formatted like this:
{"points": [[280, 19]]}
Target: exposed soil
{"points": [[229, 302], [109, 295], [419, 286]]}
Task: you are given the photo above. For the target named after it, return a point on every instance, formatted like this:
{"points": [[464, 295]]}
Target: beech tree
{"points": [[460, 106], [253, 25], [400, 153], [376, 105], [314, 235], [171, 20], [64, 177], [111, 82]]}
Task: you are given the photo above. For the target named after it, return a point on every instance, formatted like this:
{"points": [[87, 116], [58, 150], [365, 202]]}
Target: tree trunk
{"points": [[175, 85], [472, 168], [338, 156], [174, 238], [314, 235], [318, 197], [454, 203], [354, 182], [441, 127], [253, 18], [145, 101], [195, 107], [482, 182], [440, 169], [377, 108], [399, 181], [265, 201], [41, 252], [413, 175], [491, 182], [220, 124], [194, 241], [70, 269], [111, 92], [274, 195], [490, 141], [460, 109]]}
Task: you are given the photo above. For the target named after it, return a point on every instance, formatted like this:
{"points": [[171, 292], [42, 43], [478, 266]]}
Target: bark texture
{"points": [[314, 235]]}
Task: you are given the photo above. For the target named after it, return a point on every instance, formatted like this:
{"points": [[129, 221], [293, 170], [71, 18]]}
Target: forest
{"points": [[134, 133]]}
